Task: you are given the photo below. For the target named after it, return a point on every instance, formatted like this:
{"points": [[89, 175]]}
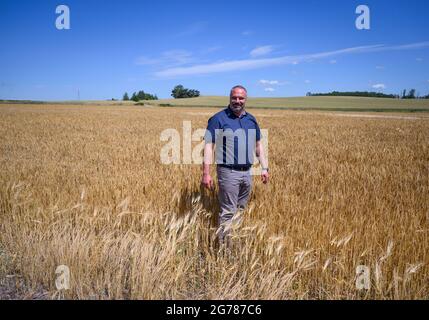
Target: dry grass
{"points": [[84, 186]]}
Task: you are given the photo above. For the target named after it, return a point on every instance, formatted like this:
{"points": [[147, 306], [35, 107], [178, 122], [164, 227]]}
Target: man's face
{"points": [[237, 100]]}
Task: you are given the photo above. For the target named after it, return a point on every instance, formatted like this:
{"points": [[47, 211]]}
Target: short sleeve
{"points": [[258, 131], [212, 125]]}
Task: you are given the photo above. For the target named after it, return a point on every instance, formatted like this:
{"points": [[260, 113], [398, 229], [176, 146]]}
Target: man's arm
{"points": [[207, 180], [260, 153]]}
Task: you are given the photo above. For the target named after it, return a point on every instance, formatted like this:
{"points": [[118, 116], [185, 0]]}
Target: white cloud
{"points": [[379, 86], [177, 57], [268, 82], [170, 58], [307, 81], [211, 49], [333, 61], [410, 46], [143, 60], [270, 89], [261, 51], [247, 33], [250, 64], [379, 67]]}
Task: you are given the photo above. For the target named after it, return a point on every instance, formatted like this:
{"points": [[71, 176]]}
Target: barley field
{"points": [[83, 186]]}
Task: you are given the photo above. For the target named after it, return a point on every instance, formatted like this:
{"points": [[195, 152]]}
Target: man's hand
{"points": [[265, 176], [260, 153], [207, 181]]}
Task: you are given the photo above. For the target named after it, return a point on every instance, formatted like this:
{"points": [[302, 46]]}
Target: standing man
{"points": [[236, 134]]}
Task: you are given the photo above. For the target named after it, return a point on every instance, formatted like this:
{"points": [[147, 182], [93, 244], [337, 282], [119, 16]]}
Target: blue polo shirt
{"points": [[234, 137]]}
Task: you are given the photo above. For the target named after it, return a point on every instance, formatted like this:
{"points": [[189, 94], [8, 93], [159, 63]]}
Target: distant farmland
{"points": [[309, 103], [357, 104]]}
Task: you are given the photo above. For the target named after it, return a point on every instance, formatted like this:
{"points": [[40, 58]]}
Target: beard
{"points": [[236, 108]]}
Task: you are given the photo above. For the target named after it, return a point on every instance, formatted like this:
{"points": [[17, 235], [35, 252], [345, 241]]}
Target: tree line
{"points": [[137, 96], [411, 94], [178, 91]]}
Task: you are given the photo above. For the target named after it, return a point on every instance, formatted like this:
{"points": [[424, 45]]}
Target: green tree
{"points": [[134, 97], [181, 92], [141, 95], [411, 94], [178, 92], [193, 93], [125, 97], [149, 96]]}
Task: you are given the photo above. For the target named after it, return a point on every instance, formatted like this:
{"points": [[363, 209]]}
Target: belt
{"points": [[235, 167]]}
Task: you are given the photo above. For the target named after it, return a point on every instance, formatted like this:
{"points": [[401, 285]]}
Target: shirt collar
{"points": [[230, 113]]}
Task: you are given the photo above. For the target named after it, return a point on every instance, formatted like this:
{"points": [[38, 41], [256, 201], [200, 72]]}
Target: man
{"points": [[236, 134]]}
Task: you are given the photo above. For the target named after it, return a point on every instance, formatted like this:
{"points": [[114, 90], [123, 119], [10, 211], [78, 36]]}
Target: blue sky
{"points": [[274, 48]]}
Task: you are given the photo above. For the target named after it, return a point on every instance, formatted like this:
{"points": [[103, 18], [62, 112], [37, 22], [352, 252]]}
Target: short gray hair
{"points": [[237, 87]]}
